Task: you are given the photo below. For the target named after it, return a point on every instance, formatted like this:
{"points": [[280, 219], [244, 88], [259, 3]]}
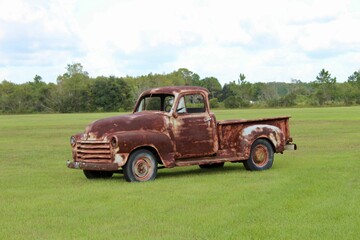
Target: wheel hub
{"points": [[142, 168], [261, 155]]}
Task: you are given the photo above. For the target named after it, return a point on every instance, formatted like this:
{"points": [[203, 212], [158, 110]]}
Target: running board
{"points": [[206, 160]]}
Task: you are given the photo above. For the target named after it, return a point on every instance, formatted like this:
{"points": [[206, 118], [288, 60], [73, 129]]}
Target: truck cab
{"points": [[188, 120]]}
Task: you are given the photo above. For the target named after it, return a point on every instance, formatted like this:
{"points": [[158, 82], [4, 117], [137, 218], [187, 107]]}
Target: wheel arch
{"points": [[266, 139], [270, 133], [150, 148], [158, 143]]}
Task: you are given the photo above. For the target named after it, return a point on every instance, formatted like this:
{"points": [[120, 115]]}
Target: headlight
{"points": [[72, 141], [114, 142]]}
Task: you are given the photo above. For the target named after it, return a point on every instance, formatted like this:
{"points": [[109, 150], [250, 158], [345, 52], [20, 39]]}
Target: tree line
{"points": [[76, 91]]}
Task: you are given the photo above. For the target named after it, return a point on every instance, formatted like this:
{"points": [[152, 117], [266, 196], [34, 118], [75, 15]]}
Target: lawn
{"points": [[311, 193]]}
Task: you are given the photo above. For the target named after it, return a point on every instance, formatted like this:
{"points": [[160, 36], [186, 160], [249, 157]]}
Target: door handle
{"points": [[207, 119]]}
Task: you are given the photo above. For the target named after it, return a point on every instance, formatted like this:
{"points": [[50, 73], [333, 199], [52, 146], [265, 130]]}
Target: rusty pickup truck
{"points": [[171, 127]]}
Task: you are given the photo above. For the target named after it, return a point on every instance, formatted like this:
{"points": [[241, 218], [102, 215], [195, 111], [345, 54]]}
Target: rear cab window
{"points": [[192, 103]]}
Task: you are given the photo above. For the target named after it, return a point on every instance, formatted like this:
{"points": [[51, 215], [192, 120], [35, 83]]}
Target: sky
{"points": [[275, 40]]}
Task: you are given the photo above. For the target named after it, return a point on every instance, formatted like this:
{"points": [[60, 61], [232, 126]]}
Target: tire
{"points": [[97, 174], [213, 165], [261, 156], [141, 166]]}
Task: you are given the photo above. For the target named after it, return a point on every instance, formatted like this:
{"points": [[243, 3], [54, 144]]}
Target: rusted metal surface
{"points": [[261, 155], [92, 166], [177, 136], [93, 151]]}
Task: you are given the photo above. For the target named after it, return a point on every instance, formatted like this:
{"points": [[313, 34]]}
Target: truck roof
{"points": [[174, 90]]}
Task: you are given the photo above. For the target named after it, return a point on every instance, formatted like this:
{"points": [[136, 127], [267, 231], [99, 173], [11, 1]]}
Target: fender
{"points": [[272, 133], [128, 141]]}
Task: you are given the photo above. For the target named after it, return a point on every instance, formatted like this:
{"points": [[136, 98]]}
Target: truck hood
{"points": [[156, 121]]}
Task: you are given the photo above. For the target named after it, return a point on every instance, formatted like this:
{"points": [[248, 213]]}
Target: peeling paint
{"points": [[258, 127], [118, 159], [176, 138]]}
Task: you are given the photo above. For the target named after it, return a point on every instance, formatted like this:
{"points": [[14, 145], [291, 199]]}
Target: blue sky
{"points": [[266, 40]]}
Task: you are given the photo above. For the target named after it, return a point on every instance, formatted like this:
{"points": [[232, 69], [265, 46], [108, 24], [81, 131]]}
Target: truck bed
{"points": [[233, 132]]}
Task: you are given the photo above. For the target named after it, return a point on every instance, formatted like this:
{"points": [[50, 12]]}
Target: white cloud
{"points": [[266, 40], [20, 11]]}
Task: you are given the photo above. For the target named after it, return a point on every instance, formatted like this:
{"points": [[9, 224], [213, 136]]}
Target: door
{"points": [[193, 128]]}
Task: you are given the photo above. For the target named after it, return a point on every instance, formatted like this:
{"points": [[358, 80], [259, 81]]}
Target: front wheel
{"points": [[261, 156], [141, 166]]}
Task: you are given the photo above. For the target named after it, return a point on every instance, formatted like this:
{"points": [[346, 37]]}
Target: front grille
{"points": [[93, 151]]}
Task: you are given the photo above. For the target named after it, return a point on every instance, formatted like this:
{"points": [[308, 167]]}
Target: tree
{"points": [[214, 103], [354, 79], [7, 97], [325, 87], [37, 79], [110, 94], [241, 78], [352, 93], [41, 95], [264, 92], [213, 85], [75, 91], [72, 93], [229, 90], [190, 78], [245, 88], [73, 69], [235, 102]]}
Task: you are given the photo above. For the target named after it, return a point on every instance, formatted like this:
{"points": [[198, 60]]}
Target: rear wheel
{"points": [[97, 174], [141, 166], [261, 156]]}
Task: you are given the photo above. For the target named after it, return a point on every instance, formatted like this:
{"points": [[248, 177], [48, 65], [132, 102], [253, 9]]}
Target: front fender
{"points": [[130, 140], [272, 133]]}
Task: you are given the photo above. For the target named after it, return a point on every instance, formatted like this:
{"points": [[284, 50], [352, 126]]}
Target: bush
{"points": [[235, 102], [214, 103]]}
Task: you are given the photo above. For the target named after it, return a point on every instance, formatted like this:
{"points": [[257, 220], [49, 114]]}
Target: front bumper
{"points": [[93, 166]]}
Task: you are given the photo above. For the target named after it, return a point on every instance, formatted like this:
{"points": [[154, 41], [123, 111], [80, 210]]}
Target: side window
{"points": [[191, 104]]}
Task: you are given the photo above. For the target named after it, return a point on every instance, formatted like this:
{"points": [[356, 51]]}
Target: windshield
{"points": [[156, 103]]}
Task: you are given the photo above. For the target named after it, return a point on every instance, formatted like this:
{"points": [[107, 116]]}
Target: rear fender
{"points": [[272, 133]]}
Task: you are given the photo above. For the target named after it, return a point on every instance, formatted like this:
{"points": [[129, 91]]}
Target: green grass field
{"points": [[311, 193]]}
